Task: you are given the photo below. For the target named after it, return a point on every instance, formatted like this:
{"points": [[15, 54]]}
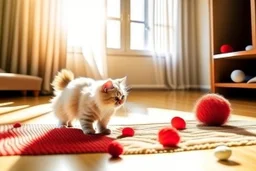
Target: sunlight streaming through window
{"points": [[137, 36], [113, 8], [137, 10], [113, 34]]}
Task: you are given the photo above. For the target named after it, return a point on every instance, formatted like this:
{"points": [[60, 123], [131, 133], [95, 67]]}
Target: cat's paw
{"points": [[61, 126], [105, 131], [70, 124], [89, 131]]}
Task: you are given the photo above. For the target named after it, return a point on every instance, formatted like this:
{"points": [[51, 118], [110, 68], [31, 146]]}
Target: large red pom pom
{"points": [[16, 125], [115, 149], [178, 123], [212, 110], [168, 136], [226, 48], [127, 132]]}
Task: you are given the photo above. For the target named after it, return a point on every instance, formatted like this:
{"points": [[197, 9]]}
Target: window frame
{"points": [[125, 39]]}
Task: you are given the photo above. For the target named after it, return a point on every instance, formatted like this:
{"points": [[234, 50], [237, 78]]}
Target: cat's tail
{"points": [[62, 79]]}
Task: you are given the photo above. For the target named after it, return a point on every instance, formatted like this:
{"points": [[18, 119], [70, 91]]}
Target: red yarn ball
{"points": [[226, 48], [115, 149], [178, 123], [128, 132], [212, 110], [16, 125], [168, 136]]}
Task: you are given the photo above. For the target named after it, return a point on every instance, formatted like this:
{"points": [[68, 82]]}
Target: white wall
{"points": [[203, 33], [140, 69]]}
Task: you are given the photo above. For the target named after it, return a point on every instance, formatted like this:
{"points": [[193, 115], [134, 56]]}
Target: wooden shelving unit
{"points": [[244, 54], [233, 22], [236, 85]]}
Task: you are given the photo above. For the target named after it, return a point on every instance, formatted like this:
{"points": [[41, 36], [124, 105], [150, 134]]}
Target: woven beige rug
{"points": [[195, 137]]}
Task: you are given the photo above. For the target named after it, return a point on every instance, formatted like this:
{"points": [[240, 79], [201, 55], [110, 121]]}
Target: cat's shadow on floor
{"points": [[227, 129]]}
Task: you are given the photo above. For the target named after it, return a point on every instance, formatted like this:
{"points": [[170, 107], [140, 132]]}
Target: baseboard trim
{"points": [[147, 86], [205, 87]]}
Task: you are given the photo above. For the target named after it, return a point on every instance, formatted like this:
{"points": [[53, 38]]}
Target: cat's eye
{"points": [[118, 94], [116, 99], [122, 97]]}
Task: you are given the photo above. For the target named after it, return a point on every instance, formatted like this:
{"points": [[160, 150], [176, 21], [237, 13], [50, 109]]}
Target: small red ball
{"points": [[178, 123], [16, 125], [226, 48], [128, 132], [212, 110], [115, 149], [168, 136]]}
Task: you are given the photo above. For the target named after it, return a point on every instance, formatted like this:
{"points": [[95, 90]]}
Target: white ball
{"points": [[222, 152], [238, 76], [249, 47]]}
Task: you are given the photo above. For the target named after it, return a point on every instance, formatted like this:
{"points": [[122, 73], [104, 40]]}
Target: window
{"points": [[114, 24], [127, 28]]}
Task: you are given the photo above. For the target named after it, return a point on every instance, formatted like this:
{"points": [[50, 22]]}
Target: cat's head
{"points": [[113, 93]]}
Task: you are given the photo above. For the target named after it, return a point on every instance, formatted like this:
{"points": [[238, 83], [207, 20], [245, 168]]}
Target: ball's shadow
{"points": [[229, 162], [227, 129], [115, 159]]}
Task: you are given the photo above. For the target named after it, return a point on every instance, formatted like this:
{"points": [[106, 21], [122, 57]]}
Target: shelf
{"points": [[245, 54], [233, 23], [236, 85]]}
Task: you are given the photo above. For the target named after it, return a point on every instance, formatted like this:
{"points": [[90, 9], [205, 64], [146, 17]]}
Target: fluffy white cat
{"points": [[87, 100]]}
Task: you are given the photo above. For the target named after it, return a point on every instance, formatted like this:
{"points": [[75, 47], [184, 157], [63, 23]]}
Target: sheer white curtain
{"points": [[86, 38], [33, 38], [173, 35]]}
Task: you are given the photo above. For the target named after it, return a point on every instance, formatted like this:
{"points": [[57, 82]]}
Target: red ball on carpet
{"points": [[178, 123], [212, 110], [16, 125], [128, 132], [226, 48], [115, 149], [168, 136]]}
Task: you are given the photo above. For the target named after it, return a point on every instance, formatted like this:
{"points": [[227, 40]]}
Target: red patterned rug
{"points": [[42, 139], [34, 139]]}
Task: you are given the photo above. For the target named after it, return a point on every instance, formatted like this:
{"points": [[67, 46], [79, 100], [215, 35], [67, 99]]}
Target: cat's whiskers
{"points": [[128, 89]]}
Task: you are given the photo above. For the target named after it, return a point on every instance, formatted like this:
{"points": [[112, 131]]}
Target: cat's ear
{"points": [[122, 80], [108, 85]]}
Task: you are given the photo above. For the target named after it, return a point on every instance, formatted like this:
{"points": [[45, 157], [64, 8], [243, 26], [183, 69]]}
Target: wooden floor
{"points": [[141, 105]]}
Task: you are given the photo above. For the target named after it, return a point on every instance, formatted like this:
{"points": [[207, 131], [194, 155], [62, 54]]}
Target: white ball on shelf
{"points": [[222, 152], [237, 76], [249, 47]]}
